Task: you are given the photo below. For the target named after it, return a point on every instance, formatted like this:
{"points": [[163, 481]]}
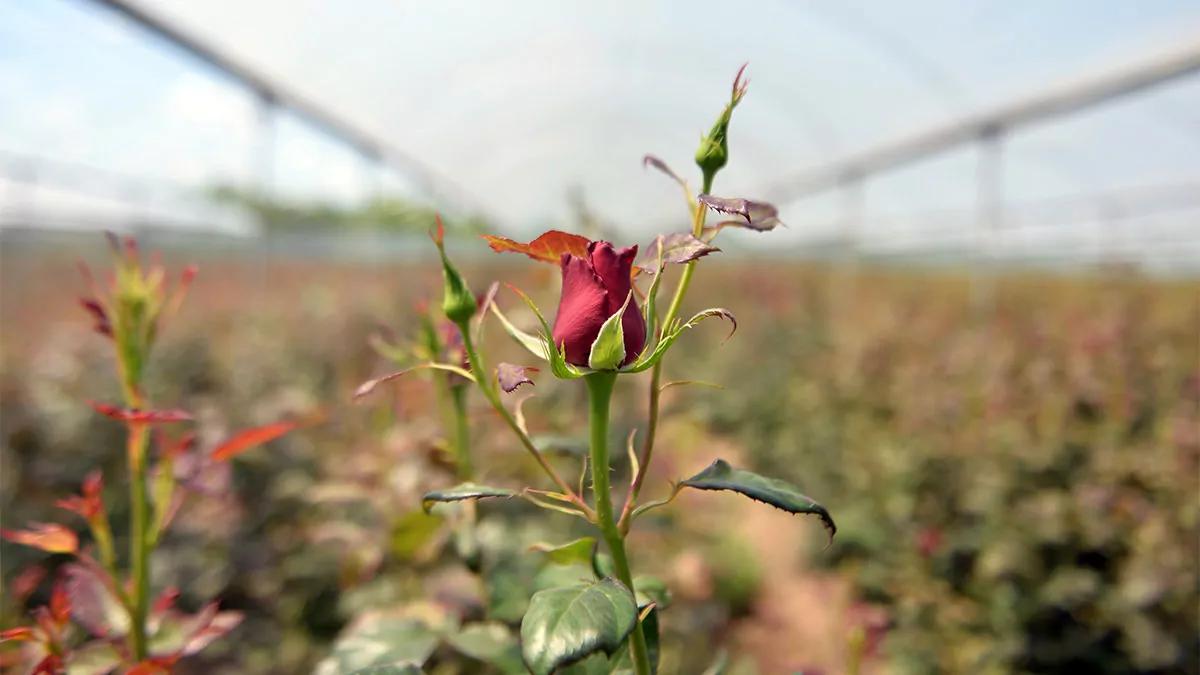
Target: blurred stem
{"points": [[854, 657], [600, 388], [441, 389], [685, 280], [139, 436], [102, 533], [462, 433], [483, 377]]}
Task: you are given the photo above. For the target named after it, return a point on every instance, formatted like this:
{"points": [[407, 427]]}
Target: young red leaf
{"points": [[547, 248], [251, 438], [20, 634], [651, 160], [201, 474], [26, 583], [51, 665], [100, 324], [511, 376], [166, 600], [136, 416], [50, 537], [89, 504], [170, 450], [488, 298], [369, 386], [114, 242], [217, 625], [677, 248], [758, 216], [131, 250], [93, 603], [60, 602]]}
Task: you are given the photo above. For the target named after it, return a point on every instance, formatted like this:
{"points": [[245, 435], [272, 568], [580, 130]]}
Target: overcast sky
{"points": [[519, 101]]}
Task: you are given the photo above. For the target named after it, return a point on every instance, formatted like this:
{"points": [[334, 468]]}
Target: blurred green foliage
{"points": [[393, 214]]}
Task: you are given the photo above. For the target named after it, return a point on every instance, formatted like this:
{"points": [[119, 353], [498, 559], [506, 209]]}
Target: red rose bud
{"points": [[593, 290]]}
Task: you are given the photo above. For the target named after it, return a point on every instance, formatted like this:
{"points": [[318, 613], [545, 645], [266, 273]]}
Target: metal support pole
{"points": [[990, 225]]}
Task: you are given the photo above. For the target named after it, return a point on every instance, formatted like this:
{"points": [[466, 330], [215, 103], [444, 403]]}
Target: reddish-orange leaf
{"points": [[137, 416], [250, 438], [60, 603], [25, 583], [51, 665], [50, 537], [547, 248], [89, 505], [439, 235], [17, 634], [166, 600], [171, 450]]}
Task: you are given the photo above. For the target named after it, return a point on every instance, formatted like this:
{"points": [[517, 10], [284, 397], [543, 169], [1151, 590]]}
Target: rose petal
{"points": [[582, 309], [614, 267]]}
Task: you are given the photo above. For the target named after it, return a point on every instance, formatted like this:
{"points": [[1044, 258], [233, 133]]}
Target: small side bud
{"points": [[713, 154], [458, 302]]}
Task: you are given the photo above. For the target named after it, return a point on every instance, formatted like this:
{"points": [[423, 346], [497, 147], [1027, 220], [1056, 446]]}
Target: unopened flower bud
{"points": [[458, 302], [713, 154]]}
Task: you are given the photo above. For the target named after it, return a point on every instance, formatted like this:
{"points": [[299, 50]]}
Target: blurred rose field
{"points": [[1015, 490]]}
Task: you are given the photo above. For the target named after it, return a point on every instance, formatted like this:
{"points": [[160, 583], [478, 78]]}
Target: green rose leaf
{"points": [[652, 590], [464, 491], [602, 565], [721, 476], [576, 552], [623, 662], [93, 658], [567, 624], [492, 643], [380, 642]]}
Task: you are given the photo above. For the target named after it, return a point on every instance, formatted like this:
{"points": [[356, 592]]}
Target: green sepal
{"points": [[608, 349]]}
